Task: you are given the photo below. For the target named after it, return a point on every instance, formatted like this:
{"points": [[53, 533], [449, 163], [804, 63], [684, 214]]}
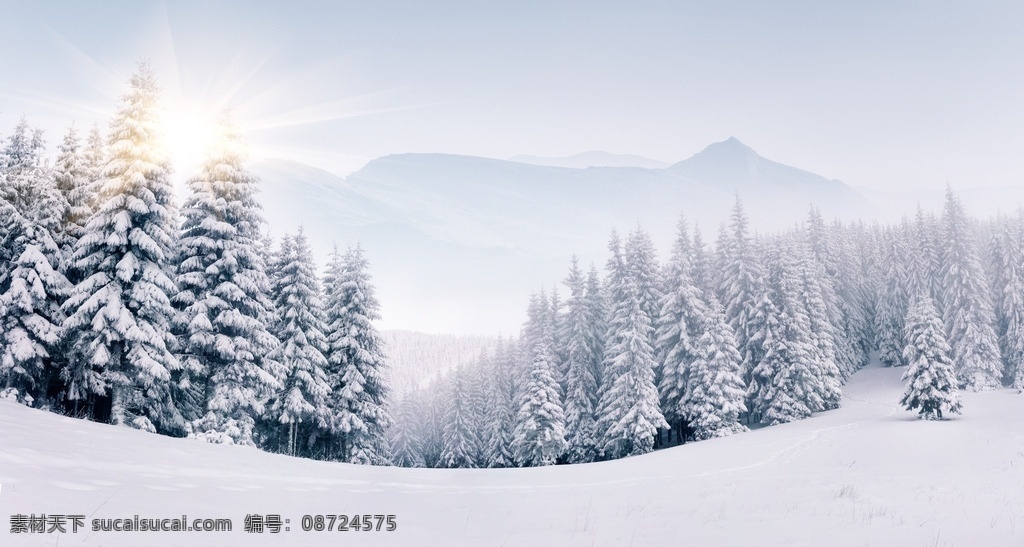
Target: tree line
{"points": [[762, 329]]}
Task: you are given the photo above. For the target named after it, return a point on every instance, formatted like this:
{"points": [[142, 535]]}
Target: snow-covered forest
{"points": [[761, 330], [121, 306]]}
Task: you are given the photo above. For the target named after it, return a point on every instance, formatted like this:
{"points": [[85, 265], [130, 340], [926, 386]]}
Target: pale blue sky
{"points": [[877, 94]]}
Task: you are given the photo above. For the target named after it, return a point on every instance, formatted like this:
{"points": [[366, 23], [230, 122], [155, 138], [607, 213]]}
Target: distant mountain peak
{"points": [[730, 149]]}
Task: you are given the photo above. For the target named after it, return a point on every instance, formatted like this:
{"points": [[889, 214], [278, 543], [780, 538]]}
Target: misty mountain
{"points": [[594, 158], [457, 243]]}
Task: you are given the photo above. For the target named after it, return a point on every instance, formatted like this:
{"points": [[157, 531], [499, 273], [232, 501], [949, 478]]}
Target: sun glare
{"points": [[189, 135]]}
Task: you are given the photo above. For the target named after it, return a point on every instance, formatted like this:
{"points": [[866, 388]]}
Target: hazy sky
{"points": [[876, 93]]}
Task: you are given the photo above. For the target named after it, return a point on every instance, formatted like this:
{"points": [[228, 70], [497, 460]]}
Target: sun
{"points": [[190, 133]]}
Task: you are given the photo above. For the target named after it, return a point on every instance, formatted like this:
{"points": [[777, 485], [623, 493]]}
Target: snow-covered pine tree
{"points": [[28, 195], [31, 286], [715, 392], [680, 325], [931, 380], [642, 265], [628, 411], [30, 319], [502, 411], [822, 334], [823, 250], [226, 378], [892, 301], [787, 377], [119, 314], [701, 267], [461, 441], [72, 177], [598, 310], [356, 361], [556, 316], [852, 298], [739, 284], [1007, 253], [301, 404], [95, 157], [966, 303], [581, 362], [764, 329], [431, 410], [405, 435], [925, 257], [539, 437]]}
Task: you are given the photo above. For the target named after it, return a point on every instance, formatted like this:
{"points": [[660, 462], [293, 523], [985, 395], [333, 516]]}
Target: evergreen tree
{"points": [[598, 311], [356, 360], [582, 361], [30, 321], [405, 441], [1008, 288], [701, 267], [714, 389], [119, 314], [461, 442], [502, 411], [787, 377], [222, 303], [892, 303], [931, 380], [301, 405], [966, 302], [642, 265], [739, 288], [679, 326], [628, 413], [540, 422], [72, 179], [822, 335]]}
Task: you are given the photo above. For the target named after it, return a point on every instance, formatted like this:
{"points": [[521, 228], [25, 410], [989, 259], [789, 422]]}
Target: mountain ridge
{"points": [[473, 236]]}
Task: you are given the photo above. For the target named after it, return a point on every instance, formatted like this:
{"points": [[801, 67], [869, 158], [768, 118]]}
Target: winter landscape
{"points": [[340, 275]]}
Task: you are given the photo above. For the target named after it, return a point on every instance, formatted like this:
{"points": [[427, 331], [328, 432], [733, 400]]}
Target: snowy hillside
{"points": [[457, 243], [866, 474]]}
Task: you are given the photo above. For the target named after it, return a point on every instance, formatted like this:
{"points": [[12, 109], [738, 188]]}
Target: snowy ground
{"points": [[867, 474]]}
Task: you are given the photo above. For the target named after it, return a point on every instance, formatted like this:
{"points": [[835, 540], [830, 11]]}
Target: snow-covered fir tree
{"points": [[356, 363], [740, 282], [715, 395], [598, 310], [931, 380], [539, 437], [405, 435], [502, 411], [226, 378], [822, 334], [298, 414], [31, 285], [893, 302], [119, 314], [642, 265], [71, 174], [1007, 250], [460, 436], [680, 325], [788, 379], [628, 411], [30, 320], [967, 308], [582, 358]]}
